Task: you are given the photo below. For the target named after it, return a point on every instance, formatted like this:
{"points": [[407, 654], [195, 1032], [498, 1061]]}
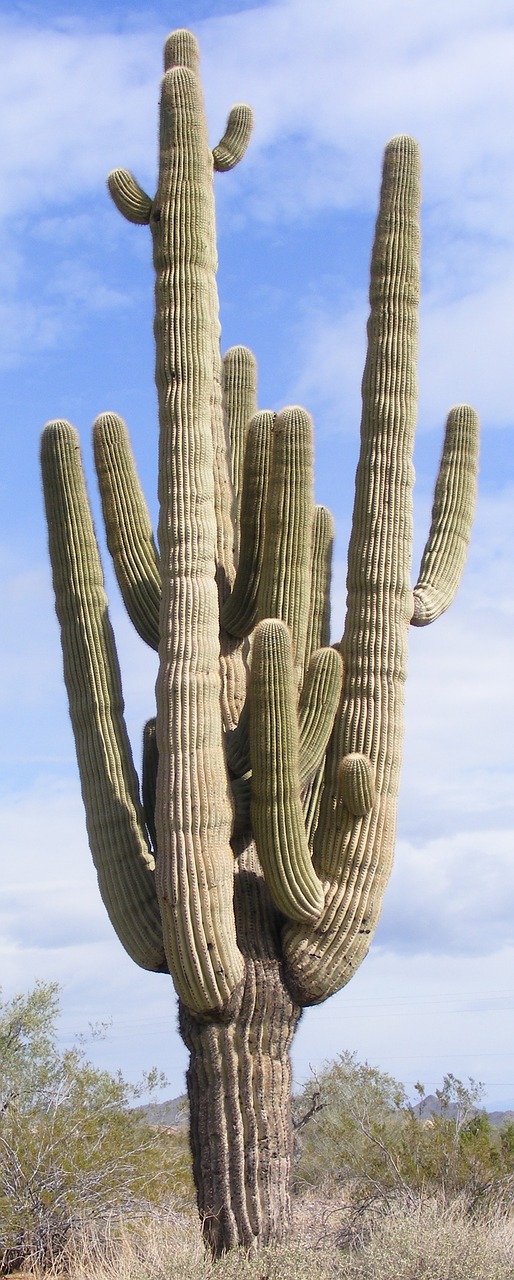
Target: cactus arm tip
{"points": [[129, 197], [232, 146], [445, 552]]}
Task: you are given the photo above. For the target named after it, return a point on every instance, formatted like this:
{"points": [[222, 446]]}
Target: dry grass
{"points": [[424, 1242]]}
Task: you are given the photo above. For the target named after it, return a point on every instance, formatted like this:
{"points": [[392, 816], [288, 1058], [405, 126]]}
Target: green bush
{"points": [[355, 1128], [72, 1150]]}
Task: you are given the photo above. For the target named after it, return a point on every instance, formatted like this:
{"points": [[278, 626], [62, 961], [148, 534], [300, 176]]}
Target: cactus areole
{"points": [[251, 863]]}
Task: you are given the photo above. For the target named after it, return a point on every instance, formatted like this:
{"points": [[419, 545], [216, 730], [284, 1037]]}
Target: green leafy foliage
{"points": [[72, 1148], [355, 1128]]}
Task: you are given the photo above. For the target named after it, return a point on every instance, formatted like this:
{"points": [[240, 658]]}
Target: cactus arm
{"points": [[276, 810], [318, 625], [319, 700], [149, 778], [127, 523], [452, 517], [239, 613], [239, 407], [353, 854], [129, 198], [115, 824], [193, 808], [285, 580], [232, 146]]}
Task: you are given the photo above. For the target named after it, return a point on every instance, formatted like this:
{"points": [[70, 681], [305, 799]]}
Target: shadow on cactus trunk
{"points": [[253, 868]]}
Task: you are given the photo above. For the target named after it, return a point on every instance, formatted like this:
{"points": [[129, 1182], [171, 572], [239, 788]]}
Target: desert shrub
{"points": [[355, 1128], [72, 1149], [348, 1124]]}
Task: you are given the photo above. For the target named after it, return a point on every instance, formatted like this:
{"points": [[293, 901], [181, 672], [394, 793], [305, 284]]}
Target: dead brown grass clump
{"points": [[406, 1242]]}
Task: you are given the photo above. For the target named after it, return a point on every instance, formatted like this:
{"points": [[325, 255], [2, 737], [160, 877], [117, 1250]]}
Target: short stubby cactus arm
{"points": [[128, 528], [444, 556], [115, 823], [232, 146], [130, 199], [353, 854], [195, 867]]}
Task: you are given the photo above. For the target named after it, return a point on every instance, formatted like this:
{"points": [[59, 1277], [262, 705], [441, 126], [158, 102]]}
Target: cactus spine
{"points": [[254, 866]]}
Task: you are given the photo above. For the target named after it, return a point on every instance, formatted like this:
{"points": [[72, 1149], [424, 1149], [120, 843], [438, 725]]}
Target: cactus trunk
{"points": [[239, 1087]]}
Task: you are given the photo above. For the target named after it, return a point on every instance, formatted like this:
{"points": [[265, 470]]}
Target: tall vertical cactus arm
{"points": [[318, 625], [128, 528], [276, 810], [195, 866], [319, 700], [353, 853], [444, 556], [285, 582], [232, 146], [149, 778], [239, 613], [130, 199], [114, 817], [239, 407]]}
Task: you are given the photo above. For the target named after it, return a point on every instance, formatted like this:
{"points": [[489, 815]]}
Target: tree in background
{"points": [[72, 1151], [358, 1133], [253, 870]]}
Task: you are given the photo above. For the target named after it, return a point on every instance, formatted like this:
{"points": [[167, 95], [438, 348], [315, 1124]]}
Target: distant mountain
{"points": [[173, 1114], [430, 1106]]}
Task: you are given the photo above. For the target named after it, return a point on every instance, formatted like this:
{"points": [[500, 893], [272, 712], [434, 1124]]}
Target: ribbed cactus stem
{"points": [[116, 829], [355, 854], [277, 817], [318, 625], [239, 407], [239, 613], [193, 808], [444, 556], [284, 588], [319, 700], [149, 778], [232, 146], [127, 525]]}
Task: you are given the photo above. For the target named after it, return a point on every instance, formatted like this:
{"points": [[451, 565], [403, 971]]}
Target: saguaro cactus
{"points": [[253, 868]]}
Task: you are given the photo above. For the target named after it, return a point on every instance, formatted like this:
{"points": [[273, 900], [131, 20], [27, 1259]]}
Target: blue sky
{"points": [[329, 84]]}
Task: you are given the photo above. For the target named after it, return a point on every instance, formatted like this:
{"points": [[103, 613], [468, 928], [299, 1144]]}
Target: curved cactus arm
{"points": [[319, 700], [239, 407], [129, 198], [276, 810], [444, 556], [127, 524], [114, 817], [239, 613], [285, 580], [195, 865], [318, 625], [232, 146], [353, 853]]}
